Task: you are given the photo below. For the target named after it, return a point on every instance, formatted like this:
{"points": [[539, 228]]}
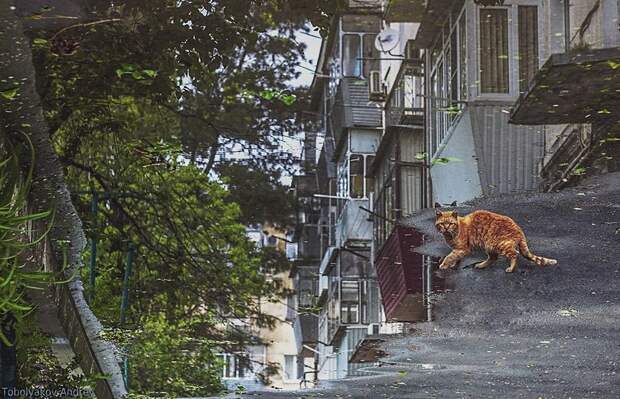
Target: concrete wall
{"points": [[457, 180]]}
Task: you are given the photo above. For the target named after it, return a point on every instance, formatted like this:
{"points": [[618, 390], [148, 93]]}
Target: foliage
{"points": [[14, 277], [247, 183], [174, 358], [155, 105], [38, 366], [196, 274]]}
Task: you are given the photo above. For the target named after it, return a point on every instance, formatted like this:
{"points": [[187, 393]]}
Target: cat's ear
{"points": [[437, 205], [453, 203], [438, 213], [454, 214]]}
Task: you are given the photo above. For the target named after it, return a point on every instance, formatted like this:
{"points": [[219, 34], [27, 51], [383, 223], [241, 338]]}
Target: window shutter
{"points": [[494, 50]]}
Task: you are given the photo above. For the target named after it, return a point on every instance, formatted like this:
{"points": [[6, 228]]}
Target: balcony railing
{"points": [[405, 104]]}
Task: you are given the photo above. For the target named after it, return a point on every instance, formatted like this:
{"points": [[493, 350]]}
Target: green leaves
{"points": [[445, 160], [579, 171], [10, 94], [40, 42], [613, 64], [14, 279], [285, 96], [135, 72]]}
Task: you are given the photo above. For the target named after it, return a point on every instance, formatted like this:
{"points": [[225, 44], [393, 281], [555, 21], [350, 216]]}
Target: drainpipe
{"points": [[566, 26]]}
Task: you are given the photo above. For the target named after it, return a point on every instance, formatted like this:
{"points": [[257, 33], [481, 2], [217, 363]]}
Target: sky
{"points": [[313, 43]]}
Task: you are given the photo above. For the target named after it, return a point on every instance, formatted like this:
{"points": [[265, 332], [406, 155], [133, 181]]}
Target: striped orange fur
{"points": [[493, 233]]}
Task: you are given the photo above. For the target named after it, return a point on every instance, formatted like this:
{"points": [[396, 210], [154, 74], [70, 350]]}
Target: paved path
{"points": [[550, 332]]}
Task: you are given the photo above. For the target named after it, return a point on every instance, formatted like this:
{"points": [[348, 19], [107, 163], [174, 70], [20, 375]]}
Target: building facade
{"points": [[425, 102]]}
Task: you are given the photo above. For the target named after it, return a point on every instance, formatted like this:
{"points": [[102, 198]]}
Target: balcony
{"points": [[353, 108], [354, 224], [405, 105], [405, 10], [572, 88], [309, 244], [306, 330]]}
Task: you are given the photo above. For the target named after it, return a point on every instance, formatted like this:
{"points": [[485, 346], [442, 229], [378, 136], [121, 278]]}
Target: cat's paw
{"points": [[444, 266], [509, 270]]}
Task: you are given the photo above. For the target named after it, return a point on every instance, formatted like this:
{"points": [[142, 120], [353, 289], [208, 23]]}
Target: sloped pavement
{"points": [[551, 332]]}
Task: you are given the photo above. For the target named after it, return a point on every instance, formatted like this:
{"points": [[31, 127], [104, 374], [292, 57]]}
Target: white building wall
{"points": [[457, 180]]}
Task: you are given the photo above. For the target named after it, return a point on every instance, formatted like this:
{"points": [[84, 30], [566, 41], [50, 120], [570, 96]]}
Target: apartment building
{"points": [[424, 102], [348, 296], [270, 360], [574, 97]]}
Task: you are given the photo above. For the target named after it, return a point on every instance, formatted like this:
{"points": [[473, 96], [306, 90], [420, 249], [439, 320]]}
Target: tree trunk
{"points": [[21, 115]]}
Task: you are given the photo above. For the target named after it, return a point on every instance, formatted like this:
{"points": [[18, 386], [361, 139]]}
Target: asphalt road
{"points": [[551, 332]]}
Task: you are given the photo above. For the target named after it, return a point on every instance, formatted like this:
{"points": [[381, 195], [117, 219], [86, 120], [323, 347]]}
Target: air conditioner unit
{"points": [[375, 86], [411, 53]]}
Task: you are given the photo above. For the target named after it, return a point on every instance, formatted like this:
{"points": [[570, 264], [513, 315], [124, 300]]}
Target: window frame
{"points": [[231, 362], [512, 8], [363, 74], [285, 376]]}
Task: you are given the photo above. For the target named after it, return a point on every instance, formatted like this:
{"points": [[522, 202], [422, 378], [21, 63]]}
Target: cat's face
{"points": [[447, 223]]}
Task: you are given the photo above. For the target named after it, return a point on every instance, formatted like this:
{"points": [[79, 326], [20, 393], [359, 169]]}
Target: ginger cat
{"points": [[493, 233]]}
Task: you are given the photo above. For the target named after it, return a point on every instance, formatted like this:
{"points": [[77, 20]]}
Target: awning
{"points": [[400, 272], [404, 11], [433, 21], [326, 263], [572, 88]]}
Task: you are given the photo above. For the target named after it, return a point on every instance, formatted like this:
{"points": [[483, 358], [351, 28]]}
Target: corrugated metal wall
{"points": [[508, 155], [353, 107]]}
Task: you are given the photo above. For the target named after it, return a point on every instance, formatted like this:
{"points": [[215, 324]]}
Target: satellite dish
{"points": [[386, 40]]}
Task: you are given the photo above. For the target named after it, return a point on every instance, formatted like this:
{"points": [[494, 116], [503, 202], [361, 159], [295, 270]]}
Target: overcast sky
{"points": [[313, 43]]}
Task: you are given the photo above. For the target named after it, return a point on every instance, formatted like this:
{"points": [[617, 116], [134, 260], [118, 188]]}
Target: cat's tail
{"points": [[539, 260]]}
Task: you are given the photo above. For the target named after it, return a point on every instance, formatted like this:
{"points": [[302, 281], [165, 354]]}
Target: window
{"points": [[349, 302], [235, 366], [369, 181], [352, 177], [494, 50], [359, 55], [351, 65], [528, 45], [354, 264], [290, 367], [356, 175], [371, 55], [508, 58]]}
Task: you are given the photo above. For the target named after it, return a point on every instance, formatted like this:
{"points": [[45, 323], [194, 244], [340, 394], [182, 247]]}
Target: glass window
{"points": [[354, 264], [290, 367], [528, 45], [371, 55], [494, 50], [349, 302], [370, 182], [351, 54], [234, 365], [356, 175]]}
